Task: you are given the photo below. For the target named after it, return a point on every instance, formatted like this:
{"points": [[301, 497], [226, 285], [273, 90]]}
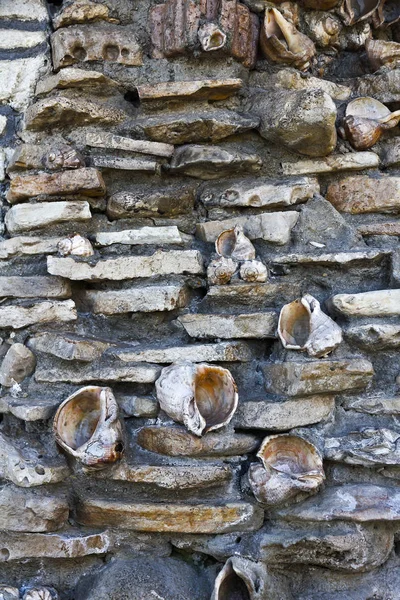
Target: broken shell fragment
{"points": [[211, 37], [87, 427], [221, 270], [281, 42], [76, 245], [254, 271], [366, 120], [381, 53], [203, 397], [291, 469], [354, 11], [63, 158], [234, 244], [243, 579], [304, 326]]}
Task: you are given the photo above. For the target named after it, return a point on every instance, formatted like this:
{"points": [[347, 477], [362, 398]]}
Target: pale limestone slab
{"points": [[293, 80], [3, 123], [18, 79], [360, 194], [253, 325], [202, 89], [25, 217], [69, 544], [144, 235], [28, 246], [125, 164], [374, 405], [137, 299], [12, 39], [223, 352], [356, 161], [283, 416], [17, 317], [380, 303], [29, 409], [68, 346], [107, 140], [174, 262], [112, 371], [34, 287], [271, 227], [27, 511], [330, 258], [375, 335], [72, 77], [24, 10]]}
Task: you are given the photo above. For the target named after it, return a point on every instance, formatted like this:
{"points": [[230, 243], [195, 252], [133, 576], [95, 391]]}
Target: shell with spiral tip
{"points": [[211, 37], [281, 42], [291, 469], [203, 397], [87, 427], [381, 53], [76, 245], [39, 594], [366, 120], [323, 28], [304, 326], [221, 270], [253, 271], [233, 243], [354, 11]]}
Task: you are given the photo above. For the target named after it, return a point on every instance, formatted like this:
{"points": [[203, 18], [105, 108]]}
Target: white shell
{"points": [[232, 243], [254, 271], [203, 397], [243, 579], [291, 469], [211, 37], [76, 245], [221, 270], [303, 326], [8, 593], [38, 594]]}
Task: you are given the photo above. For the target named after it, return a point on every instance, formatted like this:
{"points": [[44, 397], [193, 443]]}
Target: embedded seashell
{"points": [[387, 14], [291, 469], [254, 270], [87, 427], [39, 594], [63, 158], [366, 120], [283, 43], [211, 37], [303, 326], [324, 29], [76, 245], [382, 53], [203, 397], [221, 270], [8, 593], [234, 244], [243, 579], [354, 11], [290, 11]]}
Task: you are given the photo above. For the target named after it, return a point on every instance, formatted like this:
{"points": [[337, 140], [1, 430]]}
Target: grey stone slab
{"points": [[253, 325]]}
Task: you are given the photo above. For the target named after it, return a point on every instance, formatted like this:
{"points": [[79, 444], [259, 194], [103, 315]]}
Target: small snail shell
{"points": [[365, 121], [323, 28], [234, 244], [254, 270], [211, 37], [221, 270], [76, 245]]}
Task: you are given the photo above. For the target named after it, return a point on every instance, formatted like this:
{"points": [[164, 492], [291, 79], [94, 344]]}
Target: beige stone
{"points": [[81, 11], [177, 441], [18, 79], [223, 352], [384, 86], [380, 303], [379, 405], [173, 262], [172, 518], [144, 235], [29, 409], [253, 294], [293, 80], [18, 363], [271, 227], [137, 299], [283, 416], [139, 406], [318, 377], [17, 39], [212, 162], [68, 346], [253, 325], [176, 91], [148, 202], [42, 312], [72, 77], [103, 139], [24, 10], [360, 194], [171, 477], [355, 161], [28, 246], [25, 217], [330, 258], [34, 287], [82, 43], [52, 157], [28, 511], [111, 371], [125, 164], [63, 111], [391, 228], [375, 335], [82, 182]]}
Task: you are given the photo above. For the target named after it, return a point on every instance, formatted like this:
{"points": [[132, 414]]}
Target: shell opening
{"points": [[291, 455], [233, 587], [295, 325], [79, 419], [215, 395]]}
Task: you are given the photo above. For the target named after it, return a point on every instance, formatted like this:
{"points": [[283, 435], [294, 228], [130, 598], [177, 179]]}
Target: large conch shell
{"points": [[203, 397], [366, 120], [354, 11], [303, 326], [291, 469], [233, 243], [283, 43], [221, 270], [381, 53], [87, 427], [243, 579]]}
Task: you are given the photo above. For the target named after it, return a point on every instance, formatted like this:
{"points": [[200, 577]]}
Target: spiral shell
{"points": [[87, 427], [354, 11], [281, 42], [75, 244], [323, 28], [366, 120], [233, 243], [211, 37], [382, 53], [221, 270], [303, 326], [254, 271], [203, 397], [291, 469]]}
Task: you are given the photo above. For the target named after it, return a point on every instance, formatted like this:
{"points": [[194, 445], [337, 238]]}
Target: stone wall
{"points": [[200, 300]]}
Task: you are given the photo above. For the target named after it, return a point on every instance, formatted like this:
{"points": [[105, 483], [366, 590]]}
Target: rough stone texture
{"points": [[80, 11], [42, 312], [25, 217], [369, 304], [224, 352], [330, 258], [253, 325], [18, 80], [206, 162], [68, 347], [16, 39], [145, 235], [362, 194], [72, 77], [170, 201], [24, 10], [370, 447], [34, 287], [346, 162], [99, 371], [206, 89], [138, 299], [28, 246], [72, 544], [117, 142], [18, 363], [30, 511], [382, 86], [375, 336]]}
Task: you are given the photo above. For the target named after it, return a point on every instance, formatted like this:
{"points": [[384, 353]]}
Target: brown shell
{"points": [[87, 427], [253, 271], [354, 11], [211, 37], [234, 244], [221, 270], [243, 579], [281, 42], [387, 14], [323, 28], [382, 53], [365, 121]]}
